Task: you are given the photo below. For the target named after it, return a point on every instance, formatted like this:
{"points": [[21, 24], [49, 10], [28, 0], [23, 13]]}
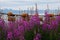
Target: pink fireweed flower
{"points": [[21, 30], [2, 22], [47, 18], [58, 19], [31, 25], [20, 21], [9, 36], [16, 33], [35, 20], [26, 25], [37, 37], [44, 26], [54, 25], [11, 26]]}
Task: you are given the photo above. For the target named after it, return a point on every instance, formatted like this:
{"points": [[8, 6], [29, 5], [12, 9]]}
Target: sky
{"points": [[27, 4]]}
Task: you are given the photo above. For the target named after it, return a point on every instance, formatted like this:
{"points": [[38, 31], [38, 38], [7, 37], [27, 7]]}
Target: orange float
{"points": [[11, 16], [51, 15], [24, 15]]}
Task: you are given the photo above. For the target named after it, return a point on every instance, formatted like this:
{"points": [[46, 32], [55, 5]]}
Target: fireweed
{"points": [[2, 30], [37, 37], [9, 36], [47, 18], [11, 26], [45, 26], [58, 19], [35, 20], [2, 23], [30, 30], [54, 24]]}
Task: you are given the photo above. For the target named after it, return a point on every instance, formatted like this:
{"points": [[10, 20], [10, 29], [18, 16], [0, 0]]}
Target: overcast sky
{"points": [[25, 4]]}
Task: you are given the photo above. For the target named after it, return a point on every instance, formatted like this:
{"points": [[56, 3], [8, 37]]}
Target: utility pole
{"points": [[36, 10], [31, 10], [47, 8], [58, 10], [19, 10]]}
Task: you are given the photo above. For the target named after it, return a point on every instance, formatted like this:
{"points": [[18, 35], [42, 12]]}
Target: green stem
{"points": [[51, 35]]}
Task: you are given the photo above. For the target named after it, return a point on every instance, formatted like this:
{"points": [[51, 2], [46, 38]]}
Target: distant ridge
{"points": [[27, 11]]}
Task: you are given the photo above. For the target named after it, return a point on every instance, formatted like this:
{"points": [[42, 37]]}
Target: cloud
{"points": [[24, 4]]}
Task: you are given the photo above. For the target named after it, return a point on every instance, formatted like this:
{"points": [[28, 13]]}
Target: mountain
{"points": [[27, 11]]}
